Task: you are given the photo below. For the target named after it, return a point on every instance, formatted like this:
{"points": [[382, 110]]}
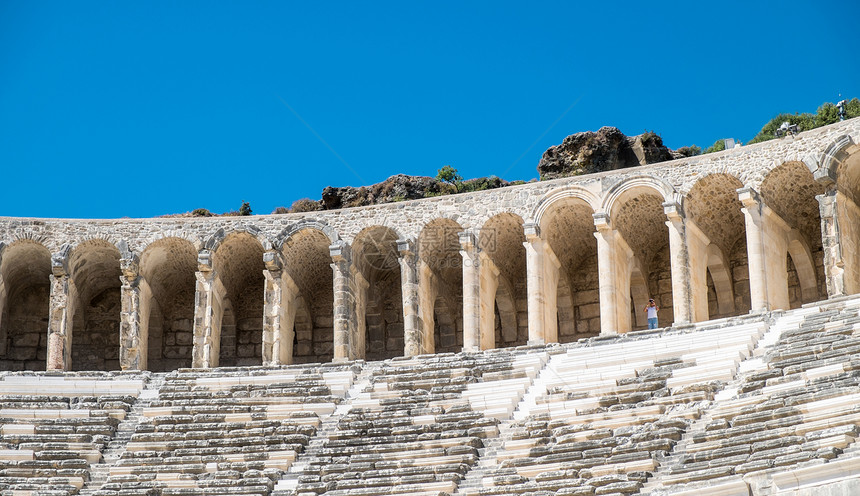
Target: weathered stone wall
{"points": [[781, 179]]}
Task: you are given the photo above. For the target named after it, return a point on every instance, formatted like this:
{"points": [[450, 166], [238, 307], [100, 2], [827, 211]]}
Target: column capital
{"points": [[406, 247], [602, 221], [531, 231], [273, 261], [60, 262], [749, 197], [340, 251], [130, 267], [468, 240], [673, 211], [204, 261]]}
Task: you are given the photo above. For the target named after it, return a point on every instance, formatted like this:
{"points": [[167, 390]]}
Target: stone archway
{"points": [[238, 261], [25, 269], [638, 217], [848, 207], [95, 271], [168, 266], [379, 302], [715, 219], [308, 263], [441, 286], [567, 224], [790, 191], [502, 238]]}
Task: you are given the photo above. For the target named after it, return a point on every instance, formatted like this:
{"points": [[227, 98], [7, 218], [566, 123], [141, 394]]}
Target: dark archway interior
{"points": [[25, 290], [308, 263], [168, 266], [95, 272]]}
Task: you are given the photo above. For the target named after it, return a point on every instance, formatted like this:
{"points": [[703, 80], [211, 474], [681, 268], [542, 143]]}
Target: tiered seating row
{"points": [[601, 416], [799, 407], [226, 431], [53, 428], [418, 427]]}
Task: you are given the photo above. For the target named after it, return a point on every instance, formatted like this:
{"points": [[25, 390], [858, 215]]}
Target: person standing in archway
{"points": [[651, 309]]}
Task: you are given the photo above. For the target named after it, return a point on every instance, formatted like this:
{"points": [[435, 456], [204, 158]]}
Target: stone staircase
{"points": [[756, 405], [288, 483], [99, 472]]}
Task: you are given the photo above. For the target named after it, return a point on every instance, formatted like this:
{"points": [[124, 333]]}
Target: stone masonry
{"points": [[758, 228]]}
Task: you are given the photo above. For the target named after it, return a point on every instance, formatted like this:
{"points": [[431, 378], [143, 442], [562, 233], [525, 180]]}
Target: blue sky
{"points": [[138, 109]]}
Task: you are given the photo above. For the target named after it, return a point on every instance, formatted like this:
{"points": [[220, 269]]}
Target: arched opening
{"points": [[441, 285], [378, 280], [95, 272], [168, 267], [308, 263], [790, 191], [848, 218], [713, 209], [638, 217], [239, 262], [25, 288], [502, 239], [568, 226]]}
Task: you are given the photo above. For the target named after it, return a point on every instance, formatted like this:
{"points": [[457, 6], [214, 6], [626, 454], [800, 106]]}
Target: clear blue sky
{"points": [[138, 109]]}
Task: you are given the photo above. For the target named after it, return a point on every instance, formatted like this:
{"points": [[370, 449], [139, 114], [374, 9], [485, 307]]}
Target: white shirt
{"points": [[652, 312]]}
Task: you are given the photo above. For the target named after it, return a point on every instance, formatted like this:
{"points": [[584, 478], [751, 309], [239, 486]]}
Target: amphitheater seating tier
{"points": [[761, 405]]}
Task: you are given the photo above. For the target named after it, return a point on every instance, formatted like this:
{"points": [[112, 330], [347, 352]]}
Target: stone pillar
{"points": [[208, 311], [3, 297], [136, 297], [412, 332], [542, 274], [682, 276], [61, 314], [344, 302], [471, 292], [279, 311], [427, 292], [488, 279], [607, 268], [767, 249], [834, 265]]}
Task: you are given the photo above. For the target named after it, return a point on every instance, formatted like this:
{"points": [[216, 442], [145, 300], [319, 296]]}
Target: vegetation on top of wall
{"points": [[718, 146], [826, 114], [449, 181]]}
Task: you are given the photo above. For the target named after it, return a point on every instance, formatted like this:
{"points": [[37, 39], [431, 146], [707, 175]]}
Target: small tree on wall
{"points": [[245, 209], [449, 175]]}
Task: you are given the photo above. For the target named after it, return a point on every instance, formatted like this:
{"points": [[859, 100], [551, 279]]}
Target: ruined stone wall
{"points": [[635, 203]]}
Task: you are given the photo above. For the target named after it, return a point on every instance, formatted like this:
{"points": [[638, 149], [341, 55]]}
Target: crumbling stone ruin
{"points": [[488, 343]]}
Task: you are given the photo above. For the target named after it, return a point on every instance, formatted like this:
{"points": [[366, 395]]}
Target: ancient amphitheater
{"points": [[489, 343]]}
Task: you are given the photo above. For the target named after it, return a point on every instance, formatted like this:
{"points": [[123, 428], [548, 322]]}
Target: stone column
{"points": [[412, 332], [834, 265], [542, 273], [3, 297], [279, 311], [208, 311], [471, 292], [61, 314], [135, 296], [767, 249], [427, 292], [488, 279], [607, 274], [344, 302], [682, 295]]}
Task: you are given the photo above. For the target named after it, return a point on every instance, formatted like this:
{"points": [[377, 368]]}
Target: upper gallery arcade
{"points": [[757, 228]]}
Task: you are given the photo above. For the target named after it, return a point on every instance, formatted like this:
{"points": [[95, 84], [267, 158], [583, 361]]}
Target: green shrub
{"points": [[245, 209], [718, 146], [281, 210], [305, 205], [690, 151], [201, 212]]}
